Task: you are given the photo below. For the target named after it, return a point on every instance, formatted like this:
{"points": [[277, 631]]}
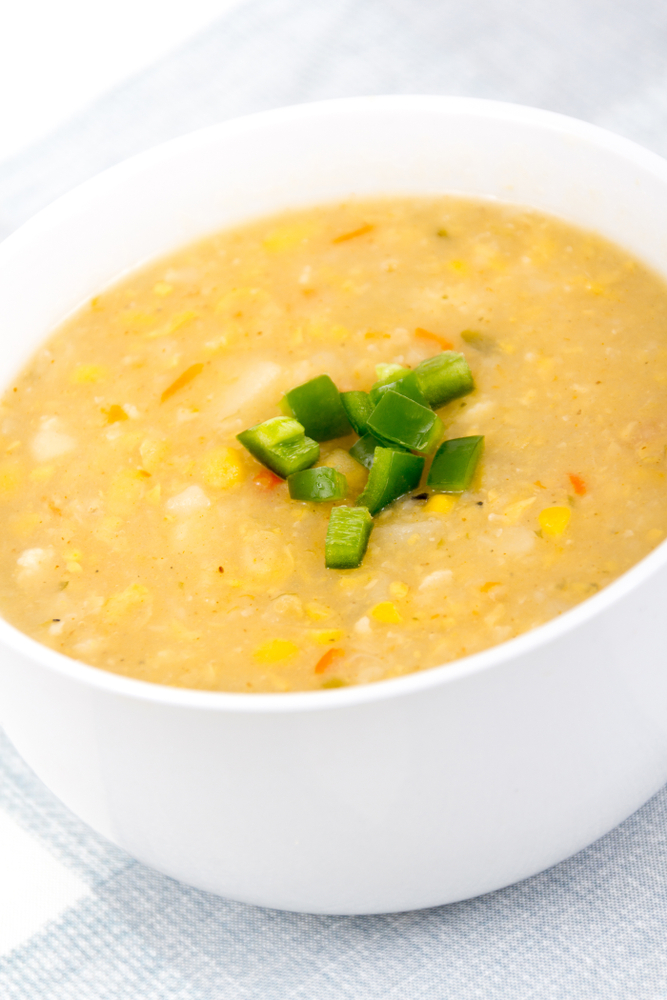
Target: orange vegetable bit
{"points": [[266, 480], [427, 335], [486, 587], [115, 413], [182, 381], [328, 658], [361, 231], [578, 485]]}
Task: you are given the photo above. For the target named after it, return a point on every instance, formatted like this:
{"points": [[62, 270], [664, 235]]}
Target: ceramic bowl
{"points": [[405, 793]]}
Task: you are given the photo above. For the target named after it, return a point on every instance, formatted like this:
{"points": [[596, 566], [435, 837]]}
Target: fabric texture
{"points": [[594, 926]]}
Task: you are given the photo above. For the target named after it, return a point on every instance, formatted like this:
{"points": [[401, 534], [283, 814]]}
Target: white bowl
{"points": [[407, 793]]}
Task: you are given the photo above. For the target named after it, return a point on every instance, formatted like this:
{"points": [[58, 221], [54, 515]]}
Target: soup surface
{"points": [[140, 537]]}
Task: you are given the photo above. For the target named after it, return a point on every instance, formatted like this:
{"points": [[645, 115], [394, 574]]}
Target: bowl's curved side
{"points": [[457, 783], [393, 804]]}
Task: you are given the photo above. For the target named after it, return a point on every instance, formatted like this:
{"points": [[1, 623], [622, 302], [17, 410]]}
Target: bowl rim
{"points": [[410, 684]]}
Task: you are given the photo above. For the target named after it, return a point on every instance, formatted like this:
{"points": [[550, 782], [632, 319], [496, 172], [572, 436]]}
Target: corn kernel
{"points": [[515, 510], [84, 374], [386, 613], [25, 524], [318, 612], [325, 635], [287, 237], [41, 473], [222, 468], [153, 451], [10, 476], [162, 288], [554, 520], [398, 589], [275, 650], [130, 599], [439, 504]]}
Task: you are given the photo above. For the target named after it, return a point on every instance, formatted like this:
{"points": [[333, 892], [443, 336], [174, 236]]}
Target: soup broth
{"points": [[142, 538]]}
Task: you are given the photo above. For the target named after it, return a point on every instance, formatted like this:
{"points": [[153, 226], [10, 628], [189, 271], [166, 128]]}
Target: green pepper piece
{"points": [[480, 341], [317, 485], [384, 369], [392, 474], [454, 464], [358, 407], [316, 404], [443, 377], [347, 537], [363, 450], [403, 381], [401, 421], [281, 445]]}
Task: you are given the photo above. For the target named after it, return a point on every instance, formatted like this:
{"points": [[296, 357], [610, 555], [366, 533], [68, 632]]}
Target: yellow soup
{"points": [[141, 537]]}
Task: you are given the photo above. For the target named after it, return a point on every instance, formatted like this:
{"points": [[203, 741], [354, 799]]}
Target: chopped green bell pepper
{"points": [[404, 422], [358, 408], [316, 404], [443, 377], [347, 537], [454, 464], [401, 380], [317, 485], [281, 444], [392, 474], [363, 450], [480, 341]]}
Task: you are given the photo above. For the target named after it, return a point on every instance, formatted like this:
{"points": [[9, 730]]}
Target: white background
{"points": [[57, 56]]}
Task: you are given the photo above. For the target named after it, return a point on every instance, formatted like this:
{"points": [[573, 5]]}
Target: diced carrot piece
{"points": [[427, 335], [266, 480], [328, 658], [361, 231], [578, 485], [182, 381]]}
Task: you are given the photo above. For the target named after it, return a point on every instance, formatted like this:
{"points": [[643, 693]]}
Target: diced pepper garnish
{"points": [[266, 480], [317, 485], [392, 474], [280, 444], [578, 485], [347, 537], [358, 407], [400, 420], [361, 231], [401, 380], [386, 613], [386, 368], [363, 450], [444, 377], [480, 341], [554, 520], [317, 406], [454, 464], [439, 504], [438, 338], [188, 375], [325, 661]]}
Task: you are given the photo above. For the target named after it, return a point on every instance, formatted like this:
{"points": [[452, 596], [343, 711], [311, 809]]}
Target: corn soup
{"points": [[141, 536]]}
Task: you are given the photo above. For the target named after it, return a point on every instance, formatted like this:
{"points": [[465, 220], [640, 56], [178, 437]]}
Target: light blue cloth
{"points": [[592, 927]]}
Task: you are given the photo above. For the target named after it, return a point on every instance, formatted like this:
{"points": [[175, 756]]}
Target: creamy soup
{"points": [[141, 537]]}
